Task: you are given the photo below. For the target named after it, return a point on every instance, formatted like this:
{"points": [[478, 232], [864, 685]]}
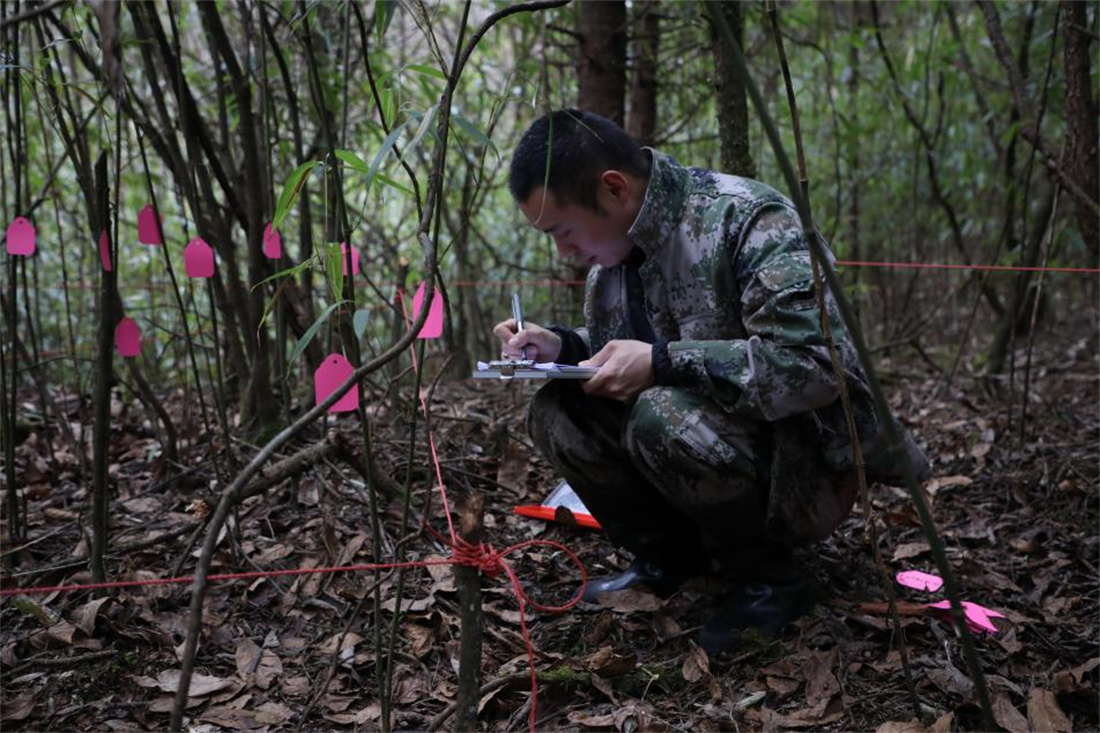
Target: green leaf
{"points": [[291, 190], [425, 125], [383, 14], [283, 273], [387, 146], [389, 105], [352, 160], [359, 321], [427, 71], [474, 132], [334, 269], [309, 334], [394, 184]]}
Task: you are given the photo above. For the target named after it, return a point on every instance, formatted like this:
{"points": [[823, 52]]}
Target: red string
{"points": [[943, 266]]}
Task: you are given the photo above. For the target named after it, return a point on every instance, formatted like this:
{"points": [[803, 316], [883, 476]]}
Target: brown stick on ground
{"points": [[468, 580]]}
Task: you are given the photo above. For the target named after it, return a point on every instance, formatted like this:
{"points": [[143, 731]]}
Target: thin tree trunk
{"points": [[642, 122], [733, 110], [1081, 120], [601, 71]]}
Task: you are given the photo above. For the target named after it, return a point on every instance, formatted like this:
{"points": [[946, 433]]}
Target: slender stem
{"points": [[893, 436]]}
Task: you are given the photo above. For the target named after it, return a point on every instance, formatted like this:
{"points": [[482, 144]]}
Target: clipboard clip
{"points": [[508, 367]]}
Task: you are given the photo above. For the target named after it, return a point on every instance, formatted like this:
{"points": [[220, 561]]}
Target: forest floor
{"points": [[1019, 518]]}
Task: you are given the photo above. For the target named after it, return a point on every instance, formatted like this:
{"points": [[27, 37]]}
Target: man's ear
{"points": [[616, 184]]}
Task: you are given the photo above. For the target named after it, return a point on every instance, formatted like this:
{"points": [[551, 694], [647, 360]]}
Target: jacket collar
{"points": [[663, 207]]}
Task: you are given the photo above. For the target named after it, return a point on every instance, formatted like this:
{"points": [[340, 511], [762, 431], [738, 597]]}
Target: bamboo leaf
{"points": [[352, 160], [309, 334], [425, 125], [427, 71], [359, 321], [334, 269], [291, 190], [394, 184], [387, 146], [474, 132], [384, 13]]}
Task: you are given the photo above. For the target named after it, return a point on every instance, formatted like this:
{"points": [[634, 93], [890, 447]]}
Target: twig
{"points": [[893, 436], [839, 374]]}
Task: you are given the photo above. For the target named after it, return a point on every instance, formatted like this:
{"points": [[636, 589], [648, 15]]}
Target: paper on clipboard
{"points": [[549, 370]]}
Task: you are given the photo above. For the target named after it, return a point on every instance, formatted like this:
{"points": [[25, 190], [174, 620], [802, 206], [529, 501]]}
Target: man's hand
{"points": [[626, 368], [542, 345]]}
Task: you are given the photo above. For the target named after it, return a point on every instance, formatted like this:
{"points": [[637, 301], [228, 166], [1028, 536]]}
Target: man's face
{"points": [[580, 234]]}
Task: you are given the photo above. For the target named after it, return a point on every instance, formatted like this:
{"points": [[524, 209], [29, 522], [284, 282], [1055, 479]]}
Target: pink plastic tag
{"points": [[333, 372], [433, 327], [273, 243], [977, 617], [198, 258], [920, 581], [354, 259], [105, 250], [148, 231], [128, 337], [20, 237]]}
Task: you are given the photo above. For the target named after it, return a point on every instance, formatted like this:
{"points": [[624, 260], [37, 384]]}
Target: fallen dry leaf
{"points": [[85, 616], [257, 666], [898, 726], [17, 708], [1044, 714], [910, 549], [606, 663], [952, 681], [1007, 716], [630, 600], [696, 665], [201, 684], [945, 482]]}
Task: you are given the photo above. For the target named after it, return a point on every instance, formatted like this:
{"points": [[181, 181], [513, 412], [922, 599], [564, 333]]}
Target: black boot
{"points": [[764, 608], [659, 579]]}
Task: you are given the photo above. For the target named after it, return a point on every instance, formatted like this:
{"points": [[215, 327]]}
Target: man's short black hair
{"points": [[582, 146]]}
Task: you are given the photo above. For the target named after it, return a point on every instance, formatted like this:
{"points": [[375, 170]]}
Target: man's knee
{"points": [[548, 414], [671, 429]]}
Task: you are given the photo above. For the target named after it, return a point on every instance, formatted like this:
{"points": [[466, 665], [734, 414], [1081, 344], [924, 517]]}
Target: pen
{"points": [[517, 313]]}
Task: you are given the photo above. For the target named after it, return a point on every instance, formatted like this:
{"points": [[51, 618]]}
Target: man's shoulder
{"points": [[725, 188]]}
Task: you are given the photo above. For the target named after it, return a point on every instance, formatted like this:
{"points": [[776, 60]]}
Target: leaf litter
{"points": [[1019, 519]]}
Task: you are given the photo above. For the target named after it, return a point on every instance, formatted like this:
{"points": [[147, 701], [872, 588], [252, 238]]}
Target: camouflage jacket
{"points": [[728, 285]]}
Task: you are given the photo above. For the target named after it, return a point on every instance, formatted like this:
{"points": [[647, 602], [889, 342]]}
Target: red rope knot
{"points": [[480, 556]]}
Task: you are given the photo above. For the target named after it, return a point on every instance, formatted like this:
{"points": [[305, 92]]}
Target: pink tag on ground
{"points": [[105, 250], [273, 243], [333, 372], [433, 327], [128, 337], [20, 237], [198, 258], [354, 259], [148, 232], [920, 581], [977, 617]]}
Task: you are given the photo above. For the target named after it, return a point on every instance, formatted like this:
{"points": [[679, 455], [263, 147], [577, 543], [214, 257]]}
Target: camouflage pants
{"points": [[670, 476]]}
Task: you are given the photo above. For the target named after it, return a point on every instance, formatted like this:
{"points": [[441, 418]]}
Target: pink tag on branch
{"points": [[148, 231], [273, 243], [105, 250], [333, 372], [198, 258], [20, 237], [920, 581], [354, 259], [977, 617], [433, 327], [128, 337]]}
